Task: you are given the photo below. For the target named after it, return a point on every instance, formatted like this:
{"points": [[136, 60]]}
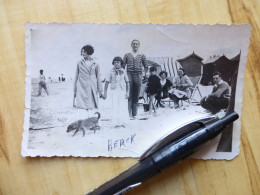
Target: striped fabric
{"points": [[134, 64]]}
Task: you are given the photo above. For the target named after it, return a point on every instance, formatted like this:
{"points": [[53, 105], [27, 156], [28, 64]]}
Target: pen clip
{"points": [[178, 133]]}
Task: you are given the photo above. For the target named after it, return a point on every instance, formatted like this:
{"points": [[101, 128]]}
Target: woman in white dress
{"points": [[119, 93]]}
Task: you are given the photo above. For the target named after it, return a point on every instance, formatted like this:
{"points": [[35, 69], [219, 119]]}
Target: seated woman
{"points": [[181, 88], [163, 93]]}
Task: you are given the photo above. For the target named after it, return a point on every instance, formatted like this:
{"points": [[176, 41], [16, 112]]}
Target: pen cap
{"points": [[229, 118], [213, 129]]}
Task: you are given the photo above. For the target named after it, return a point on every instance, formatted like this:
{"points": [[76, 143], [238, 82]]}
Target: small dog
{"points": [[81, 125]]}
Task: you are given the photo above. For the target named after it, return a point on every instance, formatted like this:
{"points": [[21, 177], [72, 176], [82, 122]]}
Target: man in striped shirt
{"points": [[134, 63]]}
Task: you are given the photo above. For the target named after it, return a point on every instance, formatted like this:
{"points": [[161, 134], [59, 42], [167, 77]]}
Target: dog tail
{"points": [[98, 117]]}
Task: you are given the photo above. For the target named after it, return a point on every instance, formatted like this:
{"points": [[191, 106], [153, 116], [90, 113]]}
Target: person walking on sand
{"points": [[87, 84], [42, 84], [119, 92], [134, 62]]}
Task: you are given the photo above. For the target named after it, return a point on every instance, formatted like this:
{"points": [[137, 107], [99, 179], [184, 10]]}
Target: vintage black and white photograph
{"points": [[114, 89]]}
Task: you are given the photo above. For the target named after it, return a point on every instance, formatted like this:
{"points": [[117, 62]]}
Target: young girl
{"points": [[119, 93], [87, 85], [153, 88], [42, 83]]}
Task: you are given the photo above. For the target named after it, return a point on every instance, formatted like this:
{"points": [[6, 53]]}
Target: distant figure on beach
{"points": [[59, 79], [50, 80], [219, 98], [134, 63], [87, 84], [119, 92], [42, 83], [62, 78]]}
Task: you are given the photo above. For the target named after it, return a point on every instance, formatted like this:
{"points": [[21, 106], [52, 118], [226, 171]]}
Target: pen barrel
{"points": [[173, 153], [176, 152]]}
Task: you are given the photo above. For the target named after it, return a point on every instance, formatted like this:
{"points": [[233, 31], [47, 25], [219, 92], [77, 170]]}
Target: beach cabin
{"points": [[222, 64], [191, 64]]}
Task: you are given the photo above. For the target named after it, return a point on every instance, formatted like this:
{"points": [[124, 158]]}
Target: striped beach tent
{"points": [[167, 64]]}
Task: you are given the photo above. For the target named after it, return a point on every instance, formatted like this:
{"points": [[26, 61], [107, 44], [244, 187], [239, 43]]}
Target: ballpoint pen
{"points": [[170, 149]]}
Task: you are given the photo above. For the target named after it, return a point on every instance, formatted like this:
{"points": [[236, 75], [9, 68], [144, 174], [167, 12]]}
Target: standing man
{"points": [[219, 98], [42, 84], [134, 63]]}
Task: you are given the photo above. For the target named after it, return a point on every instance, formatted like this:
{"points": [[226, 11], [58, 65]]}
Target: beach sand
{"points": [[50, 116]]}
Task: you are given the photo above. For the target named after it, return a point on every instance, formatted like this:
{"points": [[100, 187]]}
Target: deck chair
{"points": [[194, 89], [194, 72], [195, 80]]}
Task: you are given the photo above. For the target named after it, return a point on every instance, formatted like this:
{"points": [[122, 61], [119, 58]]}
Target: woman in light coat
{"points": [[87, 85]]}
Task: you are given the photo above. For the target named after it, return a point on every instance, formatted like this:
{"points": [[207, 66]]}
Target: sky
{"points": [[56, 47]]}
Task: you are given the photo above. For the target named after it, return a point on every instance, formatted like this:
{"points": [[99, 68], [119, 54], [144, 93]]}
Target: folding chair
{"points": [[195, 80], [194, 88], [194, 70]]}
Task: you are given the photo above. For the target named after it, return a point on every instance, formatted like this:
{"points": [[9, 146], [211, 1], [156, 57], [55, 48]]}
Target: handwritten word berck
{"points": [[119, 143]]}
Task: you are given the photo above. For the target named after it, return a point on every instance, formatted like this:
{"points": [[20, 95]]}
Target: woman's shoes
{"points": [[160, 104], [119, 126], [176, 105], [132, 117]]}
